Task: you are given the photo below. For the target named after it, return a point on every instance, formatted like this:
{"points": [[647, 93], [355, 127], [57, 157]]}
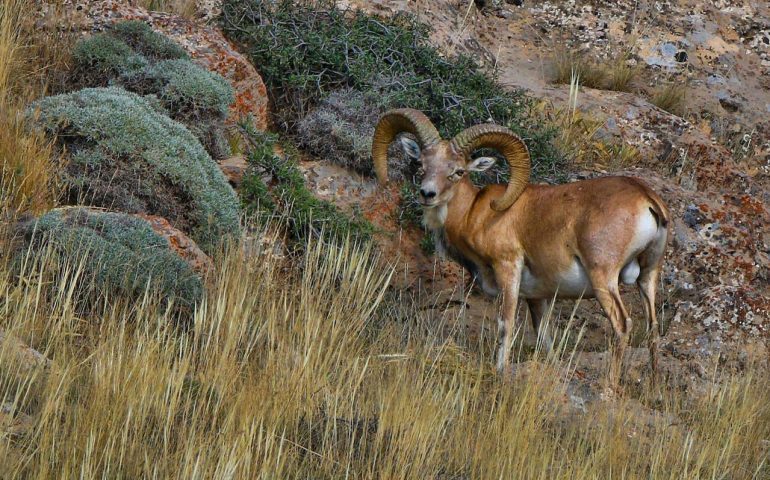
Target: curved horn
{"points": [[391, 124], [509, 145]]}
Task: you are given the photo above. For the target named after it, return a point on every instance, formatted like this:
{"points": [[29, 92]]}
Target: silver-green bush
{"points": [[127, 155]]}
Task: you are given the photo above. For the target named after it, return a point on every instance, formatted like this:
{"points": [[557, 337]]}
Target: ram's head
{"points": [[445, 162]]}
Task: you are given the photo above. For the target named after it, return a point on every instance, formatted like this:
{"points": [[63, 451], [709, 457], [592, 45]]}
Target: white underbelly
{"points": [[571, 283]]}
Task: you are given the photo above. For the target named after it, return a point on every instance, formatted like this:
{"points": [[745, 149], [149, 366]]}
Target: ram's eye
{"points": [[457, 175]]}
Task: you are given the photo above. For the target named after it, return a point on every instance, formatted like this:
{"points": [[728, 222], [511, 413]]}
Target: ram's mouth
{"points": [[429, 204]]}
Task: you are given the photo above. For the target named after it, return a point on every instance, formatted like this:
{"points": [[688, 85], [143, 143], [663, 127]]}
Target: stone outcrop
{"points": [[180, 243]]}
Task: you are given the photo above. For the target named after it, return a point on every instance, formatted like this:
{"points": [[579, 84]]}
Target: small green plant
{"points": [[192, 95], [188, 89], [119, 255], [287, 196], [672, 98], [410, 211], [101, 58], [145, 41], [125, 154]]}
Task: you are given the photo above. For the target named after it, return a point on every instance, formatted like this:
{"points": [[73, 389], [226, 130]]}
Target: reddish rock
{"points": [[180, 243]]}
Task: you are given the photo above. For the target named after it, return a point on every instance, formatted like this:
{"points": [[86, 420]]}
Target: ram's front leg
{"points": [[508, 277]]}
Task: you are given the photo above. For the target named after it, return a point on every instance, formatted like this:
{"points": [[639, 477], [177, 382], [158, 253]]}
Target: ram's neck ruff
{"points": [[435, 218]]}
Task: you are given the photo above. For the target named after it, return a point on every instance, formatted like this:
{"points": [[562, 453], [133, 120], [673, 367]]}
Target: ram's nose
{"points": [[427, 193]]}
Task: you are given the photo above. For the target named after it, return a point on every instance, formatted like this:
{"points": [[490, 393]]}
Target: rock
{"points": [[718, 251], [234, 169], [692, 217], [183, 245], [205, 44], [13, 424], [730, 104], [27, 357]]}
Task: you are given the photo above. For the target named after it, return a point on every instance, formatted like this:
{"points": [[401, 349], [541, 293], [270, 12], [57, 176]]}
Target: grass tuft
{"points": [[672, 98], [617, 75], [27, 169]]}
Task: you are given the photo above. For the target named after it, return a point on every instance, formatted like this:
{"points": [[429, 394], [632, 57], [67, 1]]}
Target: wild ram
{"points": [[538, 242]]}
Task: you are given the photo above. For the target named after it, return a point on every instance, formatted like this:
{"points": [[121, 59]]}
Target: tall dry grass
{"points": [[27, 171], [318, 371]]}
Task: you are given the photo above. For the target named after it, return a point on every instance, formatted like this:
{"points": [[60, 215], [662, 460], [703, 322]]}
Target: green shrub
{"points": [[189, 89], [120, 255], [194, 96], [306, 50], [133, 56], [147, 42], [101, 58], [340, 129], [128, 156], [289, 199]]}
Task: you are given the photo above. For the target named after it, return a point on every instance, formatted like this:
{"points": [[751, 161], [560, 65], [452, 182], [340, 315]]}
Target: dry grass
{"points": [[577, 136], [672, 98], [27, 173], [310, 372], [616, 75], [183, 8]]}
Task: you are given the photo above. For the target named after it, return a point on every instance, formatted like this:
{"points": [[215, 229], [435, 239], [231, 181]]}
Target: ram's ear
{"points": [[482, 163], [411, 148]]}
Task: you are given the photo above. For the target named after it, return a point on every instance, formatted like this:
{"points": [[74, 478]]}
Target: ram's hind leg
{"points": [[651, 261], [647, 283], [537, 310], [606, 289]]}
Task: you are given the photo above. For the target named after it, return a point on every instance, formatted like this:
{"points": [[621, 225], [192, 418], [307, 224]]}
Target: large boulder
{"points": [[126, 155]]}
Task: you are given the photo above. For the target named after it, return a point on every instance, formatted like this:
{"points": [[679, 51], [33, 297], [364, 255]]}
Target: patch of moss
{"points": [[288, 198], [119, 253], [130, 157]]}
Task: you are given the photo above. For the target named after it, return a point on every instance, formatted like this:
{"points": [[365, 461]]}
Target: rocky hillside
{"points": [[709, 162], [195, 153], [709, 159]]}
